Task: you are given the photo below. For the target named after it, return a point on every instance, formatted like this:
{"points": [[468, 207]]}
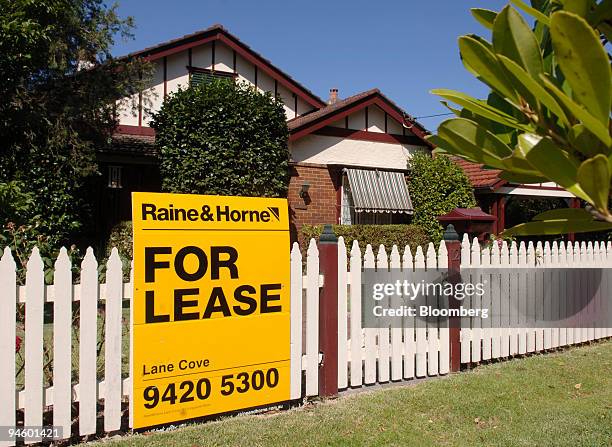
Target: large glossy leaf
{"points": [[450, 139], [579, 7], [521, 178], [481, 61], [565, 213], [579, 112], [518, 164], [468, 134], [485, 17], [601, 13], [445, 147], [583, 140], [534, 87], [584, 63], [504, 133], [452, 109], [594, 178], [556, 227], [513, 38], [481, 108], [552, 162], [538, 15]]}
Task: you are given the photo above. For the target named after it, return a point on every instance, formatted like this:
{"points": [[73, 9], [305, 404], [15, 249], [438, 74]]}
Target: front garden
{"points": [[563, 399]]}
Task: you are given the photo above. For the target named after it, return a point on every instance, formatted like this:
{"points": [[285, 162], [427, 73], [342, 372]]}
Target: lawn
{"points": [[546, 400]]}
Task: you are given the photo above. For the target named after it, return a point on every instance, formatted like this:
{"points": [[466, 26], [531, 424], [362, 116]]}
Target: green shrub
{"points": [[120, 237], [437, 186], [223, 138], [387, 235]]}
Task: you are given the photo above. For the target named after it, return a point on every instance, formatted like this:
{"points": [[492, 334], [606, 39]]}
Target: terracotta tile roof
{"points": [[211, 31], [132, 144], [479, 176]]}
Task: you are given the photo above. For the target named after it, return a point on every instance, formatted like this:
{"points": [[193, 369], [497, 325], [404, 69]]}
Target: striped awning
{"points": [[379, 191]]}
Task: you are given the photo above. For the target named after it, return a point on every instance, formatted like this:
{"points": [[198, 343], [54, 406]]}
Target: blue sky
{"points": [[405, 48]]}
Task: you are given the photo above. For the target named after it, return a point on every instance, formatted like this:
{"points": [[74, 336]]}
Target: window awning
{"points": [[379, 191]]}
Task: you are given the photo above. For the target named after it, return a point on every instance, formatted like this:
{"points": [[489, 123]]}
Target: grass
{"points": [[546, 400]]}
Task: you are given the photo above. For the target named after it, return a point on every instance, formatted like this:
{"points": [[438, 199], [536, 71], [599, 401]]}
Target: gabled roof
{"points": [[310, 122], [480, 177], [219, 33]]}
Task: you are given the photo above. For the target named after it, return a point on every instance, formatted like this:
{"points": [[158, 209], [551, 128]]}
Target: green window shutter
{"points": [[205, 77]]}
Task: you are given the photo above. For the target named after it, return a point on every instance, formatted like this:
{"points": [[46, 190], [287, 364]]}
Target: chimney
{"points": [[333, 96]]}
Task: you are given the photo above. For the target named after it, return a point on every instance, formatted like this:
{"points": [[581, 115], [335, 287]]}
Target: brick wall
{"points": [[320, 205]]}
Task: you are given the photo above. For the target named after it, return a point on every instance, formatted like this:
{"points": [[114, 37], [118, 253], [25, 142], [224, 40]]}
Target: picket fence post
{"points": [[342, 315], [356, 329], [328, 313], [312, 319], [62, 343], [296, 323], [112, 334], [35, 297], [8, 311], [453, 249]]}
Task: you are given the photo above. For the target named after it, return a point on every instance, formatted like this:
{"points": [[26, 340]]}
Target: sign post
{"points": [[211, 316]]}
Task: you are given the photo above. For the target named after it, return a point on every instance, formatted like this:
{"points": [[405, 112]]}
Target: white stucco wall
{"points": [[393, 127], [201, 56], [153, 97], [224, 58], [376, 120], [356, 121], [127, 111], [335, 150], [303, 107], [177, 74]]}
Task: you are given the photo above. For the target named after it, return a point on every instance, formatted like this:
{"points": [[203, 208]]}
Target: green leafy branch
{"points": [[547, 117]]}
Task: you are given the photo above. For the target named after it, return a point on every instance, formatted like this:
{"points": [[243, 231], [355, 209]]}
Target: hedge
{"points": [[437, 186], [387, 235], [223, 138]]}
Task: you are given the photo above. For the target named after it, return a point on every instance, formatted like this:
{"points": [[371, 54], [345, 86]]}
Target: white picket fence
{"points": [[35, 398], [386, 354], [554, 276], [372, 355], [365, 356]]}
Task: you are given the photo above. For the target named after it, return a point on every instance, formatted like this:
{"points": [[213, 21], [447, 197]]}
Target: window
{"points": [[199, 76], [114, 177]]}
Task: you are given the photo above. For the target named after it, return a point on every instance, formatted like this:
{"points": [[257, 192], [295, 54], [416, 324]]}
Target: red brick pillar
{"points": [[328, 313], [574, 203], [453, 247], [501, 214]]}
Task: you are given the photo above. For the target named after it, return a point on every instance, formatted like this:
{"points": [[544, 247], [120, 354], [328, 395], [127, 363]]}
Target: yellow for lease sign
{"points": [[211, 305]]}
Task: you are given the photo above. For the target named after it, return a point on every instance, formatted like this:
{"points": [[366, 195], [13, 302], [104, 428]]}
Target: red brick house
{"points": [[348, 156]]}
